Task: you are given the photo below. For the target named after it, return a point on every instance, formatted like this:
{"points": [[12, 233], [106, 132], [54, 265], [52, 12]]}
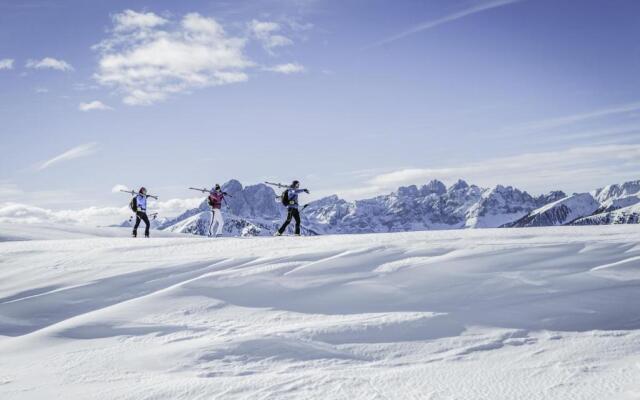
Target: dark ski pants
{"points": [[141, 215], [295, 214]]}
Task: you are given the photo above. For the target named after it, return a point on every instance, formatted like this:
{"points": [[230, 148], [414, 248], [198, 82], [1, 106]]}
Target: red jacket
{"points": [[215, 200]]}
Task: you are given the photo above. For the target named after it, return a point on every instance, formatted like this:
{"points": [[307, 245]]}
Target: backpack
{"points": [[285, 198], [133, 204]]}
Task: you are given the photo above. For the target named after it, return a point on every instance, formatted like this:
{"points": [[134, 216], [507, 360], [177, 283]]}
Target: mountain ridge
{"points": [[255, 210]]}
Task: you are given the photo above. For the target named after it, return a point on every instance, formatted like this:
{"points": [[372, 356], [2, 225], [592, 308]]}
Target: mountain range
{"points": [[255, 210]]}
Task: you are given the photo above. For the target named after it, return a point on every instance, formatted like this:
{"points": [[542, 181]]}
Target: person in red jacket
{"points": [[216, 197]]}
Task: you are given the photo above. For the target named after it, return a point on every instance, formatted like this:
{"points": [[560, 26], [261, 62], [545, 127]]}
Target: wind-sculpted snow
{"points": [[545, 313]]}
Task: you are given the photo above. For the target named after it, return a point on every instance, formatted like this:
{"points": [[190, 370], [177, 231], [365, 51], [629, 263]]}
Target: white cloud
{"points": [[289, 68], [448, 18], [174, 207], [23, 213], [130, 20], [50, 63], [574, 169], [95, 105], [41, 90], [266, 33], [82, 150], [148, 63], [118, 188], [14, 212], [6, 63]]}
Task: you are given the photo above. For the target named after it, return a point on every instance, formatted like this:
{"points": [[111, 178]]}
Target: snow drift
{"points": [[544, 313]]}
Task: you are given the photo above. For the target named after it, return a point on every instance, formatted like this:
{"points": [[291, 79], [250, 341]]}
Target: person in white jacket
{"points": [[216, 197], [141, 212]]}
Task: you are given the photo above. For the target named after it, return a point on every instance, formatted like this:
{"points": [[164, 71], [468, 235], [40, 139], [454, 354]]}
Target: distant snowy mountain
{"points": [[255, 210], [613, 204], [625, 215], [560, 212], [430, 207]]}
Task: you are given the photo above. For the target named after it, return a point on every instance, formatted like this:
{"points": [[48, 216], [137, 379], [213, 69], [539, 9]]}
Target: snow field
{"points": [[537, 313]]}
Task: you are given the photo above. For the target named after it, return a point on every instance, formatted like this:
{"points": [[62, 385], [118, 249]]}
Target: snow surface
{"points": [[531, 313]]}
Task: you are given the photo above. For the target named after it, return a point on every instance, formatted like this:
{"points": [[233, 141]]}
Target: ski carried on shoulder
{"points": [[279, 185], [134, 193], [204, 190]]}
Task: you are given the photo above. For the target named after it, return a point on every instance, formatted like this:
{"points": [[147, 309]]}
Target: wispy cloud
{"points": [[6, 63], [50, 63], [578, 168], [82, 150], [440, 21], [289, 68], [565, 120], [267, 33], [95, 105]]}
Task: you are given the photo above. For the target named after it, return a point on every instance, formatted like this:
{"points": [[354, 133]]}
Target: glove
{"points": [[306, 191]]}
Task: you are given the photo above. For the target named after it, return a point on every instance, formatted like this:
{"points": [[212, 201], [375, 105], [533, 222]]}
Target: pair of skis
{"points": [[208, 191], [134, 193]]}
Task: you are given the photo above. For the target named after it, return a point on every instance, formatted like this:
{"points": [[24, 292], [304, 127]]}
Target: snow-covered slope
{"points": [[613, 204], [561, 212], [549, 313], [625, 215], [617, 191]]}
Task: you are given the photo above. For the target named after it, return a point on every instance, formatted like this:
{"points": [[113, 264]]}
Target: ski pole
{"points": [[153, 216]]}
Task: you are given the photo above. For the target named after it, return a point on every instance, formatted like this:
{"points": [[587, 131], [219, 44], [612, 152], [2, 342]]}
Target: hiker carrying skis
{"points": [[216, 197], [141, 212], [290, 200]]}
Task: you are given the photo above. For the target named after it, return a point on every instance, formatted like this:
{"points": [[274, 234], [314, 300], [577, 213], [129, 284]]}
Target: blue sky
{"points": [[351, 97]]}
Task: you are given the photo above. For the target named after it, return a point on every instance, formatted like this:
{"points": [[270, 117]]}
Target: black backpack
{"points": [[285, 198], [133, 204]]}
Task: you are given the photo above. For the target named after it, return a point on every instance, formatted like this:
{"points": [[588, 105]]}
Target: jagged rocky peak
{"points": [[550, 197], [617, 190], [233, 186], [433, 187], [327, 201], [408, 191], [460, 185], [506, 193]]}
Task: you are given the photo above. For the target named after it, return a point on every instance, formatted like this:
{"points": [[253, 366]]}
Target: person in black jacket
{"points": [[292, 207]]}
